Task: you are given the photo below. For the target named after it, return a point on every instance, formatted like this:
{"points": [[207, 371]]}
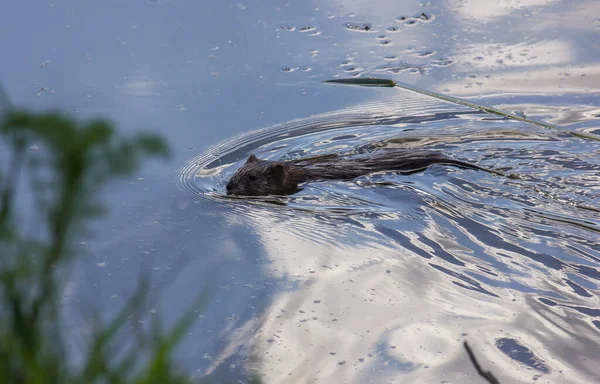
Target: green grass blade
{"points": [[378, 82], [364, 82]]}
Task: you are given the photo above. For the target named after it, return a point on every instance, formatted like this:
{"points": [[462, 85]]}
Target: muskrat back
{"points": [[264, 177]]}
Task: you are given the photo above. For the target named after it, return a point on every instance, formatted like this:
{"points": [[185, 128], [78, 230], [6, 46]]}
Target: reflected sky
{"points": [[378, 279]]}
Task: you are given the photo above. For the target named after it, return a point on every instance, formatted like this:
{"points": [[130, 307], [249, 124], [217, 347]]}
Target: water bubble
{"points": [[287, 28], [425, 17], [442, 63], [288, 69], [384, 42], [392, 29], [390, 57], [306, 69], [306, 29], [364, 27]]}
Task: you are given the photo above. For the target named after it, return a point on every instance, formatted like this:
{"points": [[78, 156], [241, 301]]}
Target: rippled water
{"points": [[377, 279], [392, 272]]}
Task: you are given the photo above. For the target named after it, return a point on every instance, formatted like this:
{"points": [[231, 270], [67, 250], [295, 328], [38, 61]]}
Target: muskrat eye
{"points": [[252, 177]]}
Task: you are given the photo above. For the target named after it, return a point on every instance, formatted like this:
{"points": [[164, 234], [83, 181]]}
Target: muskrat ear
{"points": [[276, 171], [252, 159]]}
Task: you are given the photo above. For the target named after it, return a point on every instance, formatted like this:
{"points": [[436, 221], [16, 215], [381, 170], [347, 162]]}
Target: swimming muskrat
{"points": [[264, 177]]}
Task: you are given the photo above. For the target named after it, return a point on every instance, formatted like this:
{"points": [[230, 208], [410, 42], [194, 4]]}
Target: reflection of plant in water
{"points": [[66, 164]]}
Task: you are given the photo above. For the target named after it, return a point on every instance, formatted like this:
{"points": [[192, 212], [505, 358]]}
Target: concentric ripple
{"points": [[408, 120]]}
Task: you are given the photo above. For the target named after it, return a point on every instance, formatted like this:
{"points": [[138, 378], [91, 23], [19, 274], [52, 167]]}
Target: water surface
{"points": [[378, 279]]}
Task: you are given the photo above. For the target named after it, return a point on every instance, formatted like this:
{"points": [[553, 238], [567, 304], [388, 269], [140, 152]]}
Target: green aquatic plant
{"points": [[379, 82], [65, 164]]}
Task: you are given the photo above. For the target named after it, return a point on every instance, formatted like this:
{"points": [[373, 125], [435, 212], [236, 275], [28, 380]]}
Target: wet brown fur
{"points": [[264, 177]]}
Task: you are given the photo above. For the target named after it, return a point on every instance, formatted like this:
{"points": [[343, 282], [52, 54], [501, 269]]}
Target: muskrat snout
{"points": [[229, 187]]}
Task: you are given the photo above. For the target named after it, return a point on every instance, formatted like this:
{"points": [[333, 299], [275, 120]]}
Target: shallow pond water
{"points": [[377, 279]]}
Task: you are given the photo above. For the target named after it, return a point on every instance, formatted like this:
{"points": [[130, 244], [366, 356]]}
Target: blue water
{"points": [[378, 279]]}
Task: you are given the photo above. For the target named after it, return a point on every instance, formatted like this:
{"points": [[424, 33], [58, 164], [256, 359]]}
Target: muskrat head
{"points": [[257, 178]]}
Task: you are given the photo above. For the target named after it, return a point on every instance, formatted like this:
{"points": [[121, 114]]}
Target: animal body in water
{"points": [[264, 177]]}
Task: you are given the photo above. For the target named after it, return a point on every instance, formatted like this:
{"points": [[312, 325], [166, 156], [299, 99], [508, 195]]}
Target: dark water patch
{"points": [[589, 272], [402, 241], [471, 284], [518, 352], [547, 302], [595, 312]]}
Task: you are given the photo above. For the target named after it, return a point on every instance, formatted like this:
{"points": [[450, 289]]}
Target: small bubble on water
{"points": [[392, 29], [287, 28], [287, 69], [442, 63], [365, 27], [478, 58], [306, 29], [306, 69]]}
